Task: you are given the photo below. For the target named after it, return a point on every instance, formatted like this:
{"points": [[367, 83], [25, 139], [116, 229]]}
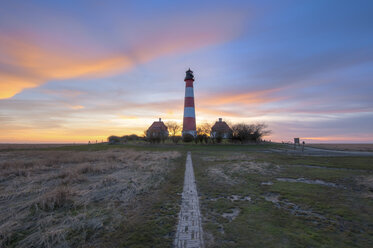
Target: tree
{"points": [[259, 131], [174, 129], [203, 132], [249, 132]]}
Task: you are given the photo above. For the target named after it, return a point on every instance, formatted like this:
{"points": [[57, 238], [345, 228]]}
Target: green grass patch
{"points": [[342, 162], [347, 215]]}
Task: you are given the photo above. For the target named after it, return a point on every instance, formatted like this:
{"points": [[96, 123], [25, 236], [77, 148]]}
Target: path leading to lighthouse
{"points": [[189, 230]]}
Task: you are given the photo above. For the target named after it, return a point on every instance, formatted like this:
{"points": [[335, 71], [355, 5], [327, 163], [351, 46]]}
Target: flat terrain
{"points": [[108, 198], [11, 147], [345, 147], [252, 199], [264, 195]]}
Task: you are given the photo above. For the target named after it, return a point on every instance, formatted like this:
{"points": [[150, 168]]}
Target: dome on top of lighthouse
{"points": [[189, 75]]}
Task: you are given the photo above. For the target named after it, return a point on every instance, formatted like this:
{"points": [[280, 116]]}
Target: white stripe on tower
{"points": [[189, 92], [189, 112]]}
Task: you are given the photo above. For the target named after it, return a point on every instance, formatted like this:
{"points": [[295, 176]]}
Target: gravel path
{"points": [[189, 230]]}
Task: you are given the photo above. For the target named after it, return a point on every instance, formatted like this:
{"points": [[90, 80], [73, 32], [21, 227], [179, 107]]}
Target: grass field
{"points": [[128, 196], [345, 147], [251, 199]]}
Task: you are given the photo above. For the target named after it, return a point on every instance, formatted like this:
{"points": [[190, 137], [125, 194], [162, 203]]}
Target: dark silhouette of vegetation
{"points": [[245, 133], [176, 139], [188, 138], [218, 138], [156, 137], [203, 133], [114, 139], [174, 129], [132, 137], [121, 140]]}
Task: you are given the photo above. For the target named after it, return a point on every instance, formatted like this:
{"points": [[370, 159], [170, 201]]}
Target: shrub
{"points": [[132, 137], [114, 140], [188, 137], [176, 139], [219, 139]]}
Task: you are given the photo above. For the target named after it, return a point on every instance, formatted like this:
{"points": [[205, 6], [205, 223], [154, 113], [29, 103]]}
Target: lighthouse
{"points": [[189, 121]]}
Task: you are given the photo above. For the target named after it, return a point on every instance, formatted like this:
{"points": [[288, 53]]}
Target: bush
{"points": [[157, 137], [114, 140], [188, 137], [176, 139], [132, 137]]}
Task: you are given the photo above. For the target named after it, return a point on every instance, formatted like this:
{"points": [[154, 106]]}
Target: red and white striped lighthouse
{"points": [[189, 121]]}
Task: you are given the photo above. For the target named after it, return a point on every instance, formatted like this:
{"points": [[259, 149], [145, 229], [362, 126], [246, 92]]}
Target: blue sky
{"points": [[73, 71]]}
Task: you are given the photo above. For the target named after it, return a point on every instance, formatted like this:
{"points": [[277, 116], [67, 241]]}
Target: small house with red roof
{"points": [[221, 129], [157, 129]]}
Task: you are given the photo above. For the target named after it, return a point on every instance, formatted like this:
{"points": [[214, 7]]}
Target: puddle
{"points": [[329, 168], [239, 198], [233, 215], [308, 181], [233, 198], [266, 183], [272, 197], [291, 207]]}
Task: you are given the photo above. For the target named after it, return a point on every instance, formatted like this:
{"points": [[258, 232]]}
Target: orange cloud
{"points": [[253, 97], [31, 65], [128, 117], [12, 84], [26, 63], [77, 107], [217, 113]]}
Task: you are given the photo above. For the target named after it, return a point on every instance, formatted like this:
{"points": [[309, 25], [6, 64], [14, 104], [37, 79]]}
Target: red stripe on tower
{"points": [[189, 122], [189, 102]]}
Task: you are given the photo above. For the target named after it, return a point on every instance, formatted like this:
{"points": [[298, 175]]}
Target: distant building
{"points": [[157, 129], [221, 129]]}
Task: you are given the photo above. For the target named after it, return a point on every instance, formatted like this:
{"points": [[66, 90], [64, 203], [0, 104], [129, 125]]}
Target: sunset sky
{"points": [[74, 71]]}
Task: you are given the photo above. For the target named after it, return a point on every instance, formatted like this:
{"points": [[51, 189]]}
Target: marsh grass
{"points": [[52, 198], [58, 197]]}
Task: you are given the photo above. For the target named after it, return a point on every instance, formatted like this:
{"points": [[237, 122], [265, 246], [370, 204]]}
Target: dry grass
{"points": [[29, 146], [57, 198], [367, 183], [226, 167], [69, 198], [345, 147]]}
